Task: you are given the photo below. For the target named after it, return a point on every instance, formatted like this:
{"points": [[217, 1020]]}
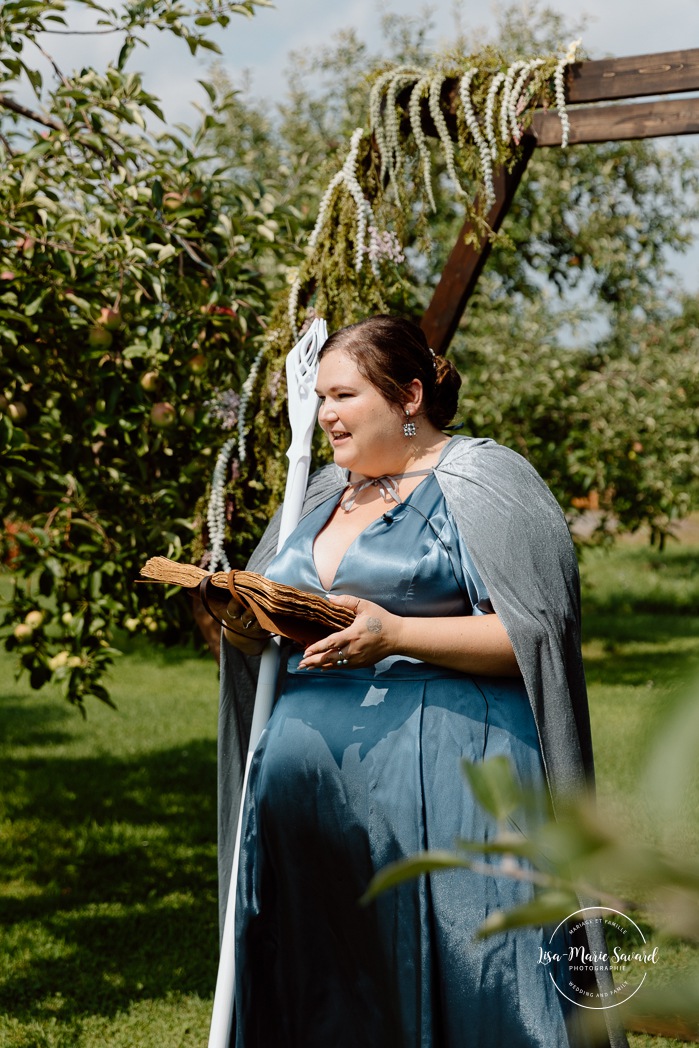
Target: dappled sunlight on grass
{"points": [[641, 647], [109, 859]]}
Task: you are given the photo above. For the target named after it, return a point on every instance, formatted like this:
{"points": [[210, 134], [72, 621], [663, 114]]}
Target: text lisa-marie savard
{"points": [[586, 957]]}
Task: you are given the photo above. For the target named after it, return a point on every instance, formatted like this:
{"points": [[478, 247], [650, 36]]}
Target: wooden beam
{"points": [[605, 80], [678, 116], [608, 79], [465, 263], [602, 80]]}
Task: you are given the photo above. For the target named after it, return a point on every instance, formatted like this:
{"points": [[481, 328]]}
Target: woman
{"points": [[459, 566]]}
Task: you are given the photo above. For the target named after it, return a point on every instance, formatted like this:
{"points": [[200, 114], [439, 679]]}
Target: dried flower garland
{"points": [[420, 89], [223, 406]]}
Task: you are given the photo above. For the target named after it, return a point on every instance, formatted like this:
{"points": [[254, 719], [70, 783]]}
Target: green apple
{"points": [[99, 337], [149, 381], [17, 411], [59, 660]]}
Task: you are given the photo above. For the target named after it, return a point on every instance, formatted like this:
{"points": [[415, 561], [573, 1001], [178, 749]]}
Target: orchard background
{"points": [[141, 264]]}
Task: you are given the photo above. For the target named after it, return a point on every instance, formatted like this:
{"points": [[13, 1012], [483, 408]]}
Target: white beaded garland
{"points": [[489, 121], [415, 114], [477, 135], [516, 99], [507, 86], [559, 87], [506, 96], [245, 392], [216, 513], [440, 124]]}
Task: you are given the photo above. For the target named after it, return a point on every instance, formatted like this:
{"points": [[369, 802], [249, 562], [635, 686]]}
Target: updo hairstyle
{"points": [[392, 351]]}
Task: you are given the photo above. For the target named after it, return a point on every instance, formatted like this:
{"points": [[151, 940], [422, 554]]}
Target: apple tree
{"points": [[135, 277]]}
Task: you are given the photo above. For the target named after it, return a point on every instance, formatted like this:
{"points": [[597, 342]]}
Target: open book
{"points": [[283, 610]]}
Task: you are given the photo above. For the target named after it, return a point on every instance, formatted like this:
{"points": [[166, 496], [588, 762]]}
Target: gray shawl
{"points": [[518, 538]]}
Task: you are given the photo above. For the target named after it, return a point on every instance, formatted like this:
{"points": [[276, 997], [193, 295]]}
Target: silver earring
{"points": [[408, 425]]}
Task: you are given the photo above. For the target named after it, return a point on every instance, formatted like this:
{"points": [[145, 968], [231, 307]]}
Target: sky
{"points": [[259, 46], [257, 49], [615, 27]]}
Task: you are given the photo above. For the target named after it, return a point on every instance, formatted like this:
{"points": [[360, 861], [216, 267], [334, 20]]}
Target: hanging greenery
{"points": [[466, 119]]}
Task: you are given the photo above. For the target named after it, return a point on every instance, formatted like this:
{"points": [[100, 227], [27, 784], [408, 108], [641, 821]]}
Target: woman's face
{"points": [[364, 429]]}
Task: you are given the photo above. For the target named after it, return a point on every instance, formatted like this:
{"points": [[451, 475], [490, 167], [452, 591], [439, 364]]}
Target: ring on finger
{"points": [[342, 661]]}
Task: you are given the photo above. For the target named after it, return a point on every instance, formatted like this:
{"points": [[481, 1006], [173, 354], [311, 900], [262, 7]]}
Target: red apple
{"points": [[171, 201], [110, 318], [198, 364], [163, 415]]}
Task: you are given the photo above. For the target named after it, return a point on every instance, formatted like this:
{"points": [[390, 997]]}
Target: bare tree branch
{"points": [[84, 32], [8, 148], [49, 58], [9, 103]]}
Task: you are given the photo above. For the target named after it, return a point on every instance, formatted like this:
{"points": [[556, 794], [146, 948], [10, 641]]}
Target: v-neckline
{"points": [[359, 534]]}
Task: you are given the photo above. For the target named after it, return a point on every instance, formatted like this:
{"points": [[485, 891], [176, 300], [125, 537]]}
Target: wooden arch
{"points": [[587, 83]]}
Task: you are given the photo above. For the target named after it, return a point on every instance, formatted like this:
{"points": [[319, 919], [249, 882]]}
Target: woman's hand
{"points": [[243, 630], [468, 643], [370, 638]]}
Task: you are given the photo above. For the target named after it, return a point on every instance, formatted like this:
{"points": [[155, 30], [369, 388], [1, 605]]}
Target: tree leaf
{"points": [[494, 787], [407, 869], [548, 908]]}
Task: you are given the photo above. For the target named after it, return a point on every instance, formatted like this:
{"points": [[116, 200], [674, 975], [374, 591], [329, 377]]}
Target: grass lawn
{"points": [[108, 826], [641, 646], [107, 838]]}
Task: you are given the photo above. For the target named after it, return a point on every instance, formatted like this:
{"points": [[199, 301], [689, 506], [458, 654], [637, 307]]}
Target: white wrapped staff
{"points": [[301, 371]]}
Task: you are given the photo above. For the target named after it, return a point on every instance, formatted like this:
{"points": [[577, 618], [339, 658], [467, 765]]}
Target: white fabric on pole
{"points": [[301, 371]]}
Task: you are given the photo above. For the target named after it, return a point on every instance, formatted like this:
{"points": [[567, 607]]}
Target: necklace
{"points": [[387, 485]]}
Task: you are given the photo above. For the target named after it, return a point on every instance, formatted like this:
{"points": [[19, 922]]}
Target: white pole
{"points": [[301, 370]]}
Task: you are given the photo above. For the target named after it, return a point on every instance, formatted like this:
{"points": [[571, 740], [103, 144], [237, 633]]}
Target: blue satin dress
{"points": [[357, 768]]}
